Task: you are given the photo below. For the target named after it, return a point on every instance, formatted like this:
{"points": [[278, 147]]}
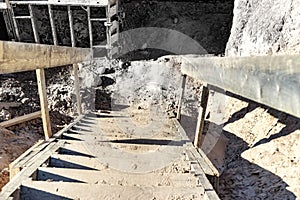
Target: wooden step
{"points": [[113, 177], [73, 147], [36, 190], [75, 162]]}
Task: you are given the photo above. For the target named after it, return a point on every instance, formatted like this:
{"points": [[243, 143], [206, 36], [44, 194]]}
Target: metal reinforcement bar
{"points": [[18, 57], [95, 3], [270, 80]]}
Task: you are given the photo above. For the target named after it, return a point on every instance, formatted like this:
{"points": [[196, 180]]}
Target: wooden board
{"points": [[270, 80], [21, 119], [36, 162], [18, 57], [40, 74]]}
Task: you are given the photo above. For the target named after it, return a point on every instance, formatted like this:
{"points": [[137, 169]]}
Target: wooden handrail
{"points": [[19, 57], [270, 80]]}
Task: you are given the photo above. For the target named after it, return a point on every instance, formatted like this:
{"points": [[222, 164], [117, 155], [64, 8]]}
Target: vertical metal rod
{"points": [[201, 117], [53, 29], [35, 32], [90, 26], [183, 82], [71, 26]]}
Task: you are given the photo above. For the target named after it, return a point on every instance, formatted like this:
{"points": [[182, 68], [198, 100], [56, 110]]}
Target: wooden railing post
{"points": [[77, 88], [181, 97], [201, 117], [75, 66], [40, 74]]}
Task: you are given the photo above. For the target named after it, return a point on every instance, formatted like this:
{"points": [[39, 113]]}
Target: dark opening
{"points": [[3, 30]]}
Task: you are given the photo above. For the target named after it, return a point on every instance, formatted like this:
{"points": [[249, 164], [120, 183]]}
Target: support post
{"points": [[40, 74], [183, 82], [77, 88], [90, 26], [201, 117], [75, 66]]}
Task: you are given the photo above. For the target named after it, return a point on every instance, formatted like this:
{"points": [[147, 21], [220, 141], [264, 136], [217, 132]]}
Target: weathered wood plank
{"points": [[21, 119], [201, 117], [14, 167], [40, 74], [36, 162], [270, 80], [77, 89], [18, 57], [183, 82]]}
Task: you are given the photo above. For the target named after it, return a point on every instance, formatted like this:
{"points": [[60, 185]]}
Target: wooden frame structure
{"points": [[18, 57], [111, 44], [273, 81]]}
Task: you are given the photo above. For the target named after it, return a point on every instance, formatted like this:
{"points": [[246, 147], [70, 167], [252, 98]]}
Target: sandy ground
{"points": [[12, 146]]}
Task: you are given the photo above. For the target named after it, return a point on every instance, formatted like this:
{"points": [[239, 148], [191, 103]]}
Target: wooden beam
{"points": [[40, 74], [27, 172], [14, 167], [21, 119], [75, 66], [201, 117], [18, 57], [77, 89], [183, 82], [270, 80]]}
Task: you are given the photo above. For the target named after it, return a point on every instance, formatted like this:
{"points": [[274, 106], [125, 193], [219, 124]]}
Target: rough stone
{"points": [[264, 27]]}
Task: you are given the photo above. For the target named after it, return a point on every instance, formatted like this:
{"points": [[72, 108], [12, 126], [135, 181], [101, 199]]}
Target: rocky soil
{"points": [[263, 27]]}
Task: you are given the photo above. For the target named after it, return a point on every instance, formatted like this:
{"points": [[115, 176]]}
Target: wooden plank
{"points": [[114, 26], [36, 162], [15, 23], [65, 129], [209, 192], [183, 82], [201, 117], [13, 169], [270, 80], [114, 38], [94, 3], [53, 29], [113, 11], [77, 89], [99, 19], [75, 66], [22, 17], [40, 74], [18, 57], [21, 119]]}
